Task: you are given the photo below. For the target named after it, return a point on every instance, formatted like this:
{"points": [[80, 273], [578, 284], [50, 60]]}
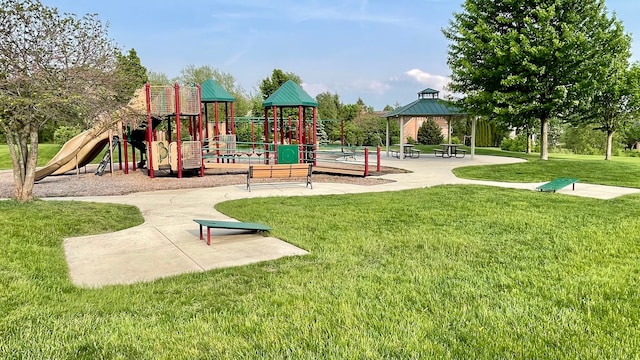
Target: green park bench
{"points": [[557, 184], [209, 224]]}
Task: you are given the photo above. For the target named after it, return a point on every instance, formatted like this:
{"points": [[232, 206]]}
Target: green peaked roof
{"points": [[429, 91], [426, 107], [290, 94], [212, 91]]}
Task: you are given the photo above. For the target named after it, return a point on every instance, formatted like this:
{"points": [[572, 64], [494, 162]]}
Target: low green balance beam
{"points": [[236, 225], [558, 184]]}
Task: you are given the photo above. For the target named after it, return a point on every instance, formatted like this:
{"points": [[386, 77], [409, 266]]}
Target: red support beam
{"points": [[149, 130], [216, 130], [200, 133], [176, 88]]}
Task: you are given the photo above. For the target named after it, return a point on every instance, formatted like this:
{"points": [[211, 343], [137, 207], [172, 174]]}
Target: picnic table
{"points": [[407, 151], [449, 150]]}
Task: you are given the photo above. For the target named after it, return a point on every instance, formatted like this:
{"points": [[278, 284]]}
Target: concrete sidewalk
{"points": [[168, 242]]}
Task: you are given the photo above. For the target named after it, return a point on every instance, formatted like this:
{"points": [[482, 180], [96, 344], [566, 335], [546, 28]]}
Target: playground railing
{"points": [[351, 159]]}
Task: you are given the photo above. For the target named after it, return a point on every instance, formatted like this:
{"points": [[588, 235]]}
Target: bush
{"points": [[65, 133], [430, 133], [517, 144]]}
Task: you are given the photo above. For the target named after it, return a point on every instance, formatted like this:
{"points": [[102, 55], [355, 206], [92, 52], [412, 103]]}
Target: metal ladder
{"points": [[106, 159]]}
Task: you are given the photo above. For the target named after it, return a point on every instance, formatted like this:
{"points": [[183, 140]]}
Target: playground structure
{"points": [[175, 137], [286, 134], [168, 152]]}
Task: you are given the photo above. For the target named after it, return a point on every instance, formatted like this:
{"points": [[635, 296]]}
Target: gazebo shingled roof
{"points": [[426, 106], [288, 95]]}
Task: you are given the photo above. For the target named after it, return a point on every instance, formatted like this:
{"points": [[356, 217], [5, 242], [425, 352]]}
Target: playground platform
{"points": [[167, 243]]}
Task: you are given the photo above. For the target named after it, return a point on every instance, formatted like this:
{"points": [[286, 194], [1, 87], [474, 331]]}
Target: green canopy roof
{"points": [[426, 106], [290, 94], [212, 92]]}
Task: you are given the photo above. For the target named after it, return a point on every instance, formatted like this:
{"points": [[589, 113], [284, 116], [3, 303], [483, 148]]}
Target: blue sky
{"points": [[381, 51]]}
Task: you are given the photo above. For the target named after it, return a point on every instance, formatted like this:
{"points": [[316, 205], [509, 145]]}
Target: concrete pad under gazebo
{"points": [[428, 105]]}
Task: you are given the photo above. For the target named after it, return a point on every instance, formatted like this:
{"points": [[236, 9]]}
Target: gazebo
{"points": [[428, 105], [214, 93]]}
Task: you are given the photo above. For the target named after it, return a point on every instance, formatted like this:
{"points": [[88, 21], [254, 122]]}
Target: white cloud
{"points": [[370, 86], [315, 89], [437, 82]]}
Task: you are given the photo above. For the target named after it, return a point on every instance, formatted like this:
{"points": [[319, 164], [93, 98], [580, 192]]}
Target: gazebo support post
{"points": [[401, 150], [473, 136], [388, 137]]}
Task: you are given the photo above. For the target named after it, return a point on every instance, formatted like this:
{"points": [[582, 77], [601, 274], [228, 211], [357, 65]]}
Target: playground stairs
{"points": [[106, 159]]}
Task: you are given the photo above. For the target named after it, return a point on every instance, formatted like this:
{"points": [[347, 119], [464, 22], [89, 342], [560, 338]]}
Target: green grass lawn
{"points": [[620, 171], [45, 153], [444, 272]]}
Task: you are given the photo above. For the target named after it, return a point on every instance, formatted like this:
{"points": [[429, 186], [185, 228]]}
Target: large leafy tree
{"points": [[51, 66], [192, 74], [270, 84], [131, 75], [158, 78], [328, 109], [616, 99], [523, 60], [278, 77]]}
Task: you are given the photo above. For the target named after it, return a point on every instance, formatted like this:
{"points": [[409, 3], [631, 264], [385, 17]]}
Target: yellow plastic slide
{"points": [[77, 152]]}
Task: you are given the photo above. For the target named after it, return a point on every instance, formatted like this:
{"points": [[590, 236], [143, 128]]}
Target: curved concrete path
{"points": [[168, 242]]}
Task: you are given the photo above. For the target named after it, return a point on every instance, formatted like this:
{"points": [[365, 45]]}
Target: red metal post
{"points": [[227, 129], [253, 136], [275, 124], [206, 118], [216, 130], [233, 119], [299, 134], [266, 135], [366, 161], [200, 131], [178, 136], [149, 130]]}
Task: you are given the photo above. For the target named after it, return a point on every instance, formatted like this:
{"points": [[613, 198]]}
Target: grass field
{"points": [[500, 273], [444, 272], [45, 153]]}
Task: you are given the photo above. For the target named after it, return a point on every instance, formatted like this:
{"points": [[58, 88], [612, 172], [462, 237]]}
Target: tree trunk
{"points": [[607, 154], [544, 138], [23, 147], [529, 140]]}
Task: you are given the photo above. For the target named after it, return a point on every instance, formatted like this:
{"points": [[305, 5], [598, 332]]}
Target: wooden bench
{"points": [[557, 184], [280, 172], [209, 224]]}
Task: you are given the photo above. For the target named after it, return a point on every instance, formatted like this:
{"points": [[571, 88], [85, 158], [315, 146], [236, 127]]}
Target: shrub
{"points": [[65, 133], [430, 133], [517, 144]]}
